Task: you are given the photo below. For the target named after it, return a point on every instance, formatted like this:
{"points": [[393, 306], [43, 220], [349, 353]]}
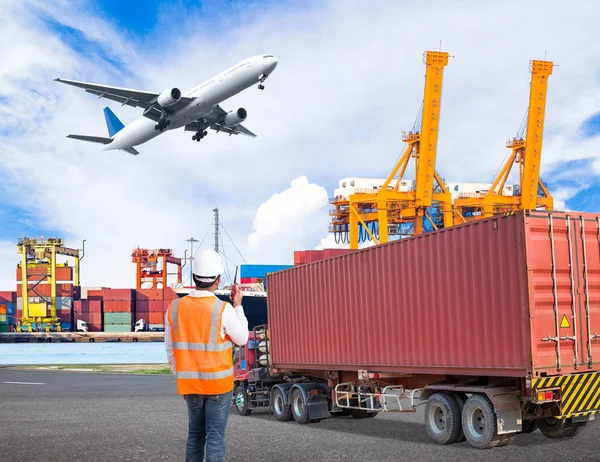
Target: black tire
{"points": [[442, 418], [506, 439], [282, 412], [529, 426], [358, 413], [241, 401], [299, 407], [479, 423], [554, 428], [461, 399], [372, 414]]}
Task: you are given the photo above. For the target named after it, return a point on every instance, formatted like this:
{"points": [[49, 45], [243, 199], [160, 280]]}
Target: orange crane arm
{"points": [[435, 62], [540, 70]]}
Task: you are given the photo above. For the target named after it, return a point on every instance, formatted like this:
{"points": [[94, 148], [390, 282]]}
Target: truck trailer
{"points": [[493, 326]]}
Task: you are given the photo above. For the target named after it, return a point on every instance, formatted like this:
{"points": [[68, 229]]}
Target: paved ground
{"points": [[64, 416]]}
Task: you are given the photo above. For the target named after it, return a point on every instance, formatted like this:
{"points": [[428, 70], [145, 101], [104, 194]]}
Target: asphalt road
{"points": [[62, 416]]}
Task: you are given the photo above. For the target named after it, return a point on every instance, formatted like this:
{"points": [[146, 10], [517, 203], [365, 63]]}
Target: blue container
{"points": [[260, 271], [65, 326], [10, 309]]}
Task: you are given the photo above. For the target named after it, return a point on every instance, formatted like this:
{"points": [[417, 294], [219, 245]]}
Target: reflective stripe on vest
{"points": [[205, 375]]}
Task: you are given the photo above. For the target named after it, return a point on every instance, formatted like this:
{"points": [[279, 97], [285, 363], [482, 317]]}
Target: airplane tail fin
{"points": [[113, 123]]}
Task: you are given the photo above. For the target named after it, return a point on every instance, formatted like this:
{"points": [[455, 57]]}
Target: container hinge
{"points": [[594, 336], [351, 396]]}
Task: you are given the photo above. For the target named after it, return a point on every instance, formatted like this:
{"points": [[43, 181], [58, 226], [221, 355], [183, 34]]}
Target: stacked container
{"points": [[89, 311], [301, 257], [151, 304], [7, 311], [118, 309]]}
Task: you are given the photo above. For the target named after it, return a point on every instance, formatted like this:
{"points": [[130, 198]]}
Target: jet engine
{"points": [[235, 117], [169, 97]]}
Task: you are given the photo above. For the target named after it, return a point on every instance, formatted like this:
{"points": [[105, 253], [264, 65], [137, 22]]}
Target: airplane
{"points": [[198, 110]]}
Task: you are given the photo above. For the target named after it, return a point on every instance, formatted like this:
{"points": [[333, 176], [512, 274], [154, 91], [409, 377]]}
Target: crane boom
{"points": [[540, 70], [435, 62]]}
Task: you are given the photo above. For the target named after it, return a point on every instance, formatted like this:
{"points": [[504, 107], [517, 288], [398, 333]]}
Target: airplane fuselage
{"points": [[206, 96]]}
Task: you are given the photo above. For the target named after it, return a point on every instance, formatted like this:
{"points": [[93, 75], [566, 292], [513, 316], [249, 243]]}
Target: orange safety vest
{"points": [[203, 359]]}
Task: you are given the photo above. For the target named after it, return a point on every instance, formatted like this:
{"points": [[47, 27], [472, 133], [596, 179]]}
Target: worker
{"points": [[200, 331]]}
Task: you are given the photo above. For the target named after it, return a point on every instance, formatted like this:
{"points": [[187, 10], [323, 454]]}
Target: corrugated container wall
{"points": [[475, 299]]}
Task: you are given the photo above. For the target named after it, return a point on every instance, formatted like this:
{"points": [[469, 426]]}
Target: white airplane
{"points": [[197, 110]]}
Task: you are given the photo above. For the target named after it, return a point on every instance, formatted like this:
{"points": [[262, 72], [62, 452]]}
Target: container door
{"points": [[563, 256]]}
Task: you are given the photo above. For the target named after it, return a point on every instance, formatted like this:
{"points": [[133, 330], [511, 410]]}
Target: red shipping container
{"points": [[149, 294], [118, 294], [474, 299], [153, 317], [35, 274], [95, 306], [330, 253], [118, 306], [65, 316], [80, 306], [299, 257], [44, 289], [170, 294], [94, 321], [142, 306], [8, 297], [94, 295]]}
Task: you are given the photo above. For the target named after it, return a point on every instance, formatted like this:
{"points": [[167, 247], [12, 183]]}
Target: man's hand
{"points": [[237, 298]]}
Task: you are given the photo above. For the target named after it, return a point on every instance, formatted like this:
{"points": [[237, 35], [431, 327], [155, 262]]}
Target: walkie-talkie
{"points": [[234, 287]]}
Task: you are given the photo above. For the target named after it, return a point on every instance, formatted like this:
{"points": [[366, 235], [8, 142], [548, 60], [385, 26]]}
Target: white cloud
{"points": [[348, 82], [287, 221]]}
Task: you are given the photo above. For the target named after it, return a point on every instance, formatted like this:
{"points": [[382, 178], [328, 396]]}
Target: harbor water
{"points": [[82, 353]]}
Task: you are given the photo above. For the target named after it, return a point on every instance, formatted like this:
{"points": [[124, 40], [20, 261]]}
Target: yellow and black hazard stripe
{"points": [[580, 392], [509, 214]]}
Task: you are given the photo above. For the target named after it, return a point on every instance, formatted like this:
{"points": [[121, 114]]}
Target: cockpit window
{"points": [[268, 56]]}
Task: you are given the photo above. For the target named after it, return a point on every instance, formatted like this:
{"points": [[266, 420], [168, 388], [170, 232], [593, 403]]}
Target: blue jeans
{"points": [[208, 416]]}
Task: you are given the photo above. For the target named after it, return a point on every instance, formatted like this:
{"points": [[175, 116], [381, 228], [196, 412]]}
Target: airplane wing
{"points": [[129, 97], [215, 122]]}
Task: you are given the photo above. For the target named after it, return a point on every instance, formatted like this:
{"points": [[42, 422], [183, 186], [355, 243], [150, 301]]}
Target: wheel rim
{"points": [[298, 405], [437, 419], [278, 404], [239, 400], [476, 422]]}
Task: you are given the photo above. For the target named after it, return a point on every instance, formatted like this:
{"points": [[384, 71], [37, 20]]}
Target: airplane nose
{"points": [[270, 64]]}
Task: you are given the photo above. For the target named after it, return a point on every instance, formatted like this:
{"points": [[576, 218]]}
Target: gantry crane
{"points": [[151, 267], [527, 153], [40, 255], [388, 210]]}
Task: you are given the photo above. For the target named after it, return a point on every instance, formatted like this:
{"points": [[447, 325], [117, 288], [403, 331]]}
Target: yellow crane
{"points": [[40, 254], [388, 208], [527, 153]]}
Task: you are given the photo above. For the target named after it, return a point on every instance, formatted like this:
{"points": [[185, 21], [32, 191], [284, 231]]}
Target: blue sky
{"points": [[350, 79]]}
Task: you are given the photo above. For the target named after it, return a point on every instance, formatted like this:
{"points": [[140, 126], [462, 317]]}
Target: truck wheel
{"points": [[282, 411], [442, 418], [241, 401], [461, 399], [372, 414], [529, 426], [299, 407], [479, 423], [552, 427]]}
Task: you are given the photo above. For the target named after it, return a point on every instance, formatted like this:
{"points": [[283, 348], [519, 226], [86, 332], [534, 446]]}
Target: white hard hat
{"points": [[208, 265]]}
